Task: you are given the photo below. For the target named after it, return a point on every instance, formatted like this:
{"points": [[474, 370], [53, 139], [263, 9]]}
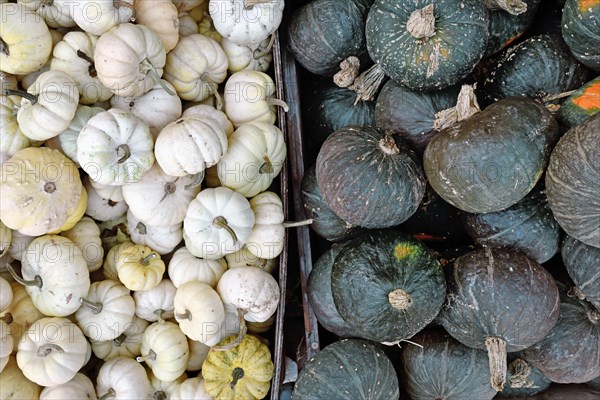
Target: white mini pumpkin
{"points": [[6, 344], [185, 267], [109, 192], [245, 258], [198, 353], [162, 239], [86, 235], [163, 389], [210, 111], [12, 138], [207, 28], [15, 385], [127, 344], [165, 350], [19, 243], [122, 378], [102, 208], [5, 240], [6, 295], [267, 238], [80, 387], [56, 13], [245, 58], [22, 312], [161, 17], [109, 268], [99, 16], [156, 304], [191, 389], [187, 24], [139, 267]]}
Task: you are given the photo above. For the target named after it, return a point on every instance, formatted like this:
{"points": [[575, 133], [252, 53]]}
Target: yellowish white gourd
{"points": [[245, 58], [185, 267], [156, 304], [12, 138], [165, 350], [191, 389], [198, 353], [162, 239], [266, 240], [161, 17], [139, 267], [21, 313], [15, 385], [80, 387], [163, 389], [102, 208], [123, 379], [99, 16], [199, 312], [6, 344], [86, 235], [127, 344]]}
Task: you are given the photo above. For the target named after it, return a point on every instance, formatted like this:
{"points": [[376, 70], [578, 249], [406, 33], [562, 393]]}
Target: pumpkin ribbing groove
{"points": [[4, 48], [421, 23], [496, 348]]}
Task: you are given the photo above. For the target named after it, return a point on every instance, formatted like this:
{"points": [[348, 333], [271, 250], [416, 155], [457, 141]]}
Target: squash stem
{"points": [[295, 224], [150, 356], [514, 7], [159, 314], [45, 349], [95, 307], [248, 4], [466, 106], [119, 340], [145, 261], [236, 375], [519, 371], [594, 316], [49, 187], [575, 292], [107, 395], [221, 223], [241, 335], [496, 348], [37, 280], [349, 70], [388, 145], [267, 167], [159, 395], [258, 54], [557, 96], [399, 299], [187, 315], [278, 102], [146, 66], [123, 152], [196, 181], [141, 228], [421, 23], [33, 98], [92, 68], [4, 48], [7, 318], [367, 84]]}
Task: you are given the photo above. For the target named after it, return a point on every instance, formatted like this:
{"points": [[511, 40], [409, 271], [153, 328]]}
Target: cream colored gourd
{"points": [[162, 239], [74, 55], [109, 192], [109, 268], [28, 80], [249, 96], [165, 350], [189, 145], [86, 235], [161, 17], [51, 351], [254, 158], [199, 312], [115, 147], [12, 138], [26, 43], [129, 59], [99, 16], [195, 67], [210, 111], [22, 312], [159, 199], [80, 387], [185, 267], [198, 353], [19, 243], [187, 24], [15, 385], [101, 208], [266, 240], [123, 378], [8, 81], [163, 389], [106, 311], [127, 344], [219, 221], [56, 13], [156, 107], [191, 389], [139, 267], [66, 141], [207, 28], [6, 295], [246, 22], [48, 106], [156, 304], [5, 240], [244, 258], [244, 58], [251, 290], [261, 327], [6, 344], [55, 275]]}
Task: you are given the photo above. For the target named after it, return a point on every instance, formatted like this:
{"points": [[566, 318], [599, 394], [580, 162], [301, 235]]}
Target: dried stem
{"points": [[150, 356], [221, 223], [123, 152], [241, 335], [21, 93], [145, 261], [95, 307], [399, 299], [421, 23], [496, 348], [37, 280], [107, 395], [367, 84], [349, 70], [92, 68], [295, 224], [45, 349]]}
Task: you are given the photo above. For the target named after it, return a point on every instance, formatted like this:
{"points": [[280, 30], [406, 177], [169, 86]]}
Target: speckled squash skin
{"points": [[444, 368], [540, 66], [368, 178], [433, 63], [528, 226], [505, 28], [581, 30], [349, 369], [376, 267], [492, 160], [523, 379], [572, 182], [322, 33], [583, 265], [581, 105]]}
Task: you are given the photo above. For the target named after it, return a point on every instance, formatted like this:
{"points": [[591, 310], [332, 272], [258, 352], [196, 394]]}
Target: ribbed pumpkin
{"points": [[505, 28], [493, 159], [369, 178], [387, 286], [324, 32], [427, 44], [440, 367], [581, 30], [582, 263], [582, 104], [500, 301], [523, 379], [348, 369], [572, 181]]}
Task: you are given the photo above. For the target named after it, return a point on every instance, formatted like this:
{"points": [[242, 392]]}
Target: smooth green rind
{"points": [[581, 31]]}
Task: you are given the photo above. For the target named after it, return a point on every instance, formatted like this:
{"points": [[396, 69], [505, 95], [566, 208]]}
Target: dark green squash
{"points": [[325, 223], [411, 114], [581, 30], [538, 67], [505, 28], [350, 369], [572, 182], [500, 301], [425, 44], [528, 226], [387, 286], [523, 379], [581, 105], [594, 384], [583, 265], [492, 160], [570, 352], [369, 178], [319, 293], [322, 33], [440, 367]]}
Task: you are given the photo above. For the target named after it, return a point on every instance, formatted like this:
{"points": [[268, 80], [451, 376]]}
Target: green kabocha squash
{"points": [[322, 33], [581, 30], [527, 226], [572, 182], [523, 379], [493, 159], [325, 223], [570, 352], [500, 301], [427, 44], [387, 286], [350, 369], [505, 27], [369, 178], [581, 105], [440, 367], [583, 265], [538, 67]]}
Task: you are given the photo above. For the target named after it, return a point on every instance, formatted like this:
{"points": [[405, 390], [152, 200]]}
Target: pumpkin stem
{"points": [[196, 181], [107, 395], [241, 335], [421, 23], [145, 261], [466, 106], [496, 348], [399, 299], [49, 187], [95, 307], [119, 340], [367, 84], [33, 98], [7, 318], [514, 7], [295, 224], [146, 66], [150, 356], [141, 228], [92, 68], [575, 292], [170, 188], [388, 145], [236, 375], [160, 395], [4, 48], [519, 371], [45, 349], [221, 223], [37, 280], [557, 96], [218, 101], [278, 102], [349, 70], [123, 152], [187, 315], [267, 167], [248, 4], [256, 54], [159, 314], [594, 316]]}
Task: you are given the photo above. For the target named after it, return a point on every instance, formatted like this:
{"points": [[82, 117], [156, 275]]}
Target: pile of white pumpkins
{"points": [[138, 144]]}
